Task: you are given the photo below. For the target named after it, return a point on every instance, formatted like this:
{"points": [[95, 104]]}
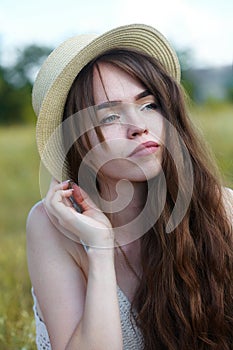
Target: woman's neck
{"points": [[123, 202]]}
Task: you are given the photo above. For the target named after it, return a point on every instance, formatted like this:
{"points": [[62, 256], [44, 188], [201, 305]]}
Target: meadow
{"points": [[19, 188]]}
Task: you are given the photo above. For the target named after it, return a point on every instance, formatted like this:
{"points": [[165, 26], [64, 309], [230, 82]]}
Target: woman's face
{"points": [[131, 124]]}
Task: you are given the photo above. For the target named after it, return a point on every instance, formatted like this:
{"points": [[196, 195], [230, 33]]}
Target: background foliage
{"points": [[16, 85]]}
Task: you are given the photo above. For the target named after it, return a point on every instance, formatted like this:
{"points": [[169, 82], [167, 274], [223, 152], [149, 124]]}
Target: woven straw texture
{"points": [[62, 66]]}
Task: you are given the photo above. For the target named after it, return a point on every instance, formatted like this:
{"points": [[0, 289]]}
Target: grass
{"points": [[19, 190], [19, 164], [215, 122]]}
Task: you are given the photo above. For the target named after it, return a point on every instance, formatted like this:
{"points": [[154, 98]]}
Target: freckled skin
{"points": [[138, 124]]}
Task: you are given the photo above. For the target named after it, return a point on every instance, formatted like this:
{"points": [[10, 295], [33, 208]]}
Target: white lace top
{"points": [[132, 337]]}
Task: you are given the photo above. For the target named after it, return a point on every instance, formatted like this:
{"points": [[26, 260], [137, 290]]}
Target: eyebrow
{"points": [[108, 104]]}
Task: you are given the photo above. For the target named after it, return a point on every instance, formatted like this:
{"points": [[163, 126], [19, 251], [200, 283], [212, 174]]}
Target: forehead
{"points": [[114, 84]]}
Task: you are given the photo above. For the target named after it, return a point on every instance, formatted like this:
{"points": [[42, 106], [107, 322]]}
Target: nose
{"points": [[136, 125], [135, 130]]}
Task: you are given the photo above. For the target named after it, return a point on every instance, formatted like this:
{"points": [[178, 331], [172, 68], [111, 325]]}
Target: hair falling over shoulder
{"points": [[187, 275], [185, 297]]}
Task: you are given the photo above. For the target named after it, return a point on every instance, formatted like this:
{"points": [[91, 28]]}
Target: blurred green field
{"points": [[19, 188], [215, 122]]}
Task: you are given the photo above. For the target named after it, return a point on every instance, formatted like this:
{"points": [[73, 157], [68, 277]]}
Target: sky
{"points": [[202, 26]]}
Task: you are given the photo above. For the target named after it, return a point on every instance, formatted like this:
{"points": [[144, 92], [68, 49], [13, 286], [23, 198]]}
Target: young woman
{"points": [[138, 253]]}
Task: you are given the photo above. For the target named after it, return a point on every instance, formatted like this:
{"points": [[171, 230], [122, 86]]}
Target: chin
{"points": [[133, 174]]}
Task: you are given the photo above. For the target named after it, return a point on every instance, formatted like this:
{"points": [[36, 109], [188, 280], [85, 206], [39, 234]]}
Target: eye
{"points": [[149, 107], [110, 119]]}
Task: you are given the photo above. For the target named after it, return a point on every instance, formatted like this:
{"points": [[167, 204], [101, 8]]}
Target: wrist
{"points": [[108, 245], [101, 263], [100, 256]]}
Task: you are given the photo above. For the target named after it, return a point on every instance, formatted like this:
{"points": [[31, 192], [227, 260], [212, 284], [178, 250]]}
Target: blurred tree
{"points": [[28, 62], [16, 84], [230, 94], [230, 90], [186, 64], [17, 79]]}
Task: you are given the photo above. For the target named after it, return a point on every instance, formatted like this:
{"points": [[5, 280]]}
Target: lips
{"points": [[145, 148]]}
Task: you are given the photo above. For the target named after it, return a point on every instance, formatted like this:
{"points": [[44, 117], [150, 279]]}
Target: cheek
{"points": [[107, 134], [90, 139], [103, 153], [156, 128], [113, 131]]}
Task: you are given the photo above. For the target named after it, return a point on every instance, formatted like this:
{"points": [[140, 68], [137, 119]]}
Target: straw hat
{"points": [[62, 66]]}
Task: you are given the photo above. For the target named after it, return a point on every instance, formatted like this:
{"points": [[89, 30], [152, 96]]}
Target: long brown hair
{"points": [[185, 296]]}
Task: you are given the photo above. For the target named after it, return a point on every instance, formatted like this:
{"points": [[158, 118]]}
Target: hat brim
{"points": [[52, 85]]}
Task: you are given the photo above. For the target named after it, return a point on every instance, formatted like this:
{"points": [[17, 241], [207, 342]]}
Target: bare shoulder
{"points": [[42, 231], [42, 235], [229, 192], [44, 241], [56, 274], [228, 201], [46, 244], [39, 226], [37, 217]]}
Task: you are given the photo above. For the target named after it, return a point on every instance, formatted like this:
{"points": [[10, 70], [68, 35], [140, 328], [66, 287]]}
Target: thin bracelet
{"points": [[85, 246]]}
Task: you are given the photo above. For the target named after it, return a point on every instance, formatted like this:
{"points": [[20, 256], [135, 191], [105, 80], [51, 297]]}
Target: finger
{"points": [[53, 183], [59, 203], [82, 198], [61, 194], [54, 186]]}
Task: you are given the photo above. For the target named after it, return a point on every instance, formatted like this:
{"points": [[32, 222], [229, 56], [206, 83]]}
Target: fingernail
{"points": [[66, 181]]}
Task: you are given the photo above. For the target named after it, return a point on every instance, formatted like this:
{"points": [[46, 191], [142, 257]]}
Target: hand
{"points": [[92, 226]]}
